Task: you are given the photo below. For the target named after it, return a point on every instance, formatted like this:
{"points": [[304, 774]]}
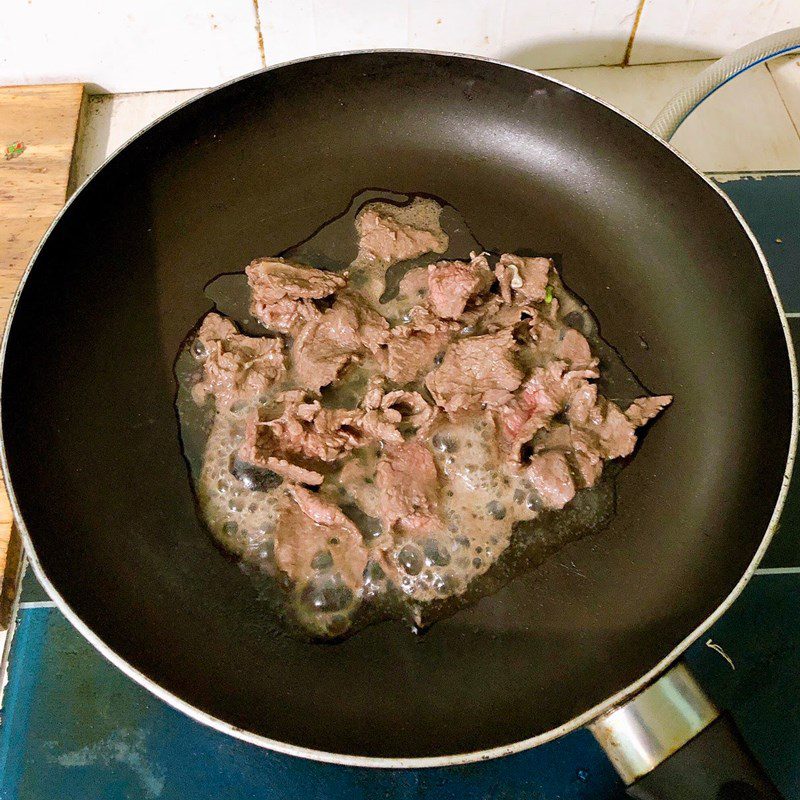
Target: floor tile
{"points": [[74, 726], [786, 74], [31, 591], [743, 127], [112, 119], [760, 635]]}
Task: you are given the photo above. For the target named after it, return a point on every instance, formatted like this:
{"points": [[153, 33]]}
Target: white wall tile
{"points": [[355, 24], [567, 33], [742, 127], [528, 32], [680, 30], [460, 26], [150, 44], [288, 29], [786, 74]]}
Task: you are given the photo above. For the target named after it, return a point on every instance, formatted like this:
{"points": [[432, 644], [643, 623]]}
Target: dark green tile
{"points": [[76, 727], [32, 590], [761, 636], [771, 206]]}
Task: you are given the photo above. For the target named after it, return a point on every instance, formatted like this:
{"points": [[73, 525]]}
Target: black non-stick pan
{"points": [[101, 490]]}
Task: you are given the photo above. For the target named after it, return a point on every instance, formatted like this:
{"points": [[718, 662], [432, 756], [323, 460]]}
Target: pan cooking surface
{"points": [[88, 390]]}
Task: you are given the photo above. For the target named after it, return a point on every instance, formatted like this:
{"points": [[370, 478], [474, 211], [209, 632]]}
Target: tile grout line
{"points": [[783, 101], [37, 604], [778, 571], [626, 59], [259, 34], [793, 314]]}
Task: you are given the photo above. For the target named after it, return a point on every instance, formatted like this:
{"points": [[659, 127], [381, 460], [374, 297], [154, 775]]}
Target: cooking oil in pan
{"points": [[431, 579]]}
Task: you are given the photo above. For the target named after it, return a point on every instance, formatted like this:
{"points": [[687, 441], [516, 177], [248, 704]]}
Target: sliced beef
{"points": [[409, 358], [236, 368], [386, 416], [494, 315], [409, 488], [382, 237], [522, 279], [554, 341], [293, 473], [646, 408], [398, 409], [546, 393], [358, 479], [328, 343], [597, 431], [414, 285], [283, 292], [452, 284], [415, 411], [606, 429], [480, 371], [588, 461], [550, 475], [310, 526], [412, 348], [305, 435], [584, 459], [381, 425]]}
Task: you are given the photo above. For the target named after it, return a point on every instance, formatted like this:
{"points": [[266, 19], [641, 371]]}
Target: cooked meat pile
{"points": [[360, 448]]}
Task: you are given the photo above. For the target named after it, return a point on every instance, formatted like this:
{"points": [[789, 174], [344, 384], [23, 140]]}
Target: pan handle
{"points": [[670, 742], [718, 74]]}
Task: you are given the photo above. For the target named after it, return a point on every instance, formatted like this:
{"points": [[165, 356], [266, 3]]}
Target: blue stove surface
{"points": [[73, 726]]}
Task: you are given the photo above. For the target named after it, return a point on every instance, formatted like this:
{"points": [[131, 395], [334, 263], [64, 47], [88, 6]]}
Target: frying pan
{"points": [[101, 491]]}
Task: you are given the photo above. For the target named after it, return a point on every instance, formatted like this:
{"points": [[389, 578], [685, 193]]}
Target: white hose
{"points": [[670, 117]]}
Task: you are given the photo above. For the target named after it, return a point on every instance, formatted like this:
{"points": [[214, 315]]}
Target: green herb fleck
{"points": [[13, 150], [548, 294]]}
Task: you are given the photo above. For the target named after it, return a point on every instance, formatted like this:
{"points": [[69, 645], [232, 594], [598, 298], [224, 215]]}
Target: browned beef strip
{"points": [[550, 475], [546, 393], [358, 478], [414, 285], [407, 479], [606, 428], [283, 292], [408, 358], [383, 238], [236, 368], [412, 347], [554, 341], [305, 435], [293, 473], [646, 408], [582, 456], [308, 525], [522, 278], [452, 284], [390, 409], [475, 372], [326, 344]]}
